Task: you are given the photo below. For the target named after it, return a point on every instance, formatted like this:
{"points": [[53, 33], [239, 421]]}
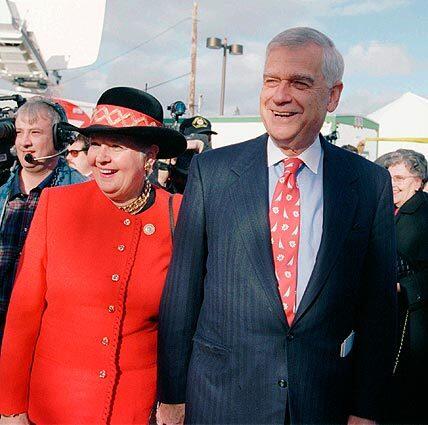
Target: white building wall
{"points": [[230, 133]]}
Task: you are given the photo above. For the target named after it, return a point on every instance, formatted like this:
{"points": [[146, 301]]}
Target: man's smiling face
{"points": [[295, 96]]}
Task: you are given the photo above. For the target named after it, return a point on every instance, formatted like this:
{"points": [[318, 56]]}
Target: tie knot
{"points": [[291, 165]]}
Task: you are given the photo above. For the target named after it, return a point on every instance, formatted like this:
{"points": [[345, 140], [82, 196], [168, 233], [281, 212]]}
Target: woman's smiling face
{"points": [[118, 166]]}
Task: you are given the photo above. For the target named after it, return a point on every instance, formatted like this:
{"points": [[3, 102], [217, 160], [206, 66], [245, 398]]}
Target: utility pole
{"points": [[193, 59]]}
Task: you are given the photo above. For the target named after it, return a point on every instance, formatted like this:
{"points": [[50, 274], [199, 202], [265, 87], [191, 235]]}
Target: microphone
{"points": [[30, 158]]}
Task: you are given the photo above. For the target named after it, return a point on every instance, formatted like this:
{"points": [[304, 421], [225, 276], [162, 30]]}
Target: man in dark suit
{"points": [[280, 301]]}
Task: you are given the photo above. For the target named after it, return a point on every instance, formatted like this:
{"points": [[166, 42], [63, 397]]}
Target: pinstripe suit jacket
{"points": [[225, 347]]}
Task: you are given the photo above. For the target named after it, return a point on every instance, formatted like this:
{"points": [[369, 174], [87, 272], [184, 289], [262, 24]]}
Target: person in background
{"points": [[195, 126], [81, 332], [77, 156], [361, 146], [20, 194], [408, 170], [350, 148], [172, 174]]}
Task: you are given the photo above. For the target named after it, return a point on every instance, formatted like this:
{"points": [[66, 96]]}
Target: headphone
{"points": [[61, 137]]}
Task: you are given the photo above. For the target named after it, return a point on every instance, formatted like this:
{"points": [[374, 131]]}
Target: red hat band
{"points": [[119, 116]]}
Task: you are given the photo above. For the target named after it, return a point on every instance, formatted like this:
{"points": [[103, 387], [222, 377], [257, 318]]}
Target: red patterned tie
{"points": [[284, 218]]}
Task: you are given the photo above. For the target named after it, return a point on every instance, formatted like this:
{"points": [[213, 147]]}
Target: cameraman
{"points": [[172, 174], [20, 194]]}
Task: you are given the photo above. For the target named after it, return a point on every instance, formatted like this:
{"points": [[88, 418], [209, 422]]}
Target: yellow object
{"points": [[397, 139]]}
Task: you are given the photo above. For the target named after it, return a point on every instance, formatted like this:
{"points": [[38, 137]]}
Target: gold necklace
{"points": [[138, 204]]}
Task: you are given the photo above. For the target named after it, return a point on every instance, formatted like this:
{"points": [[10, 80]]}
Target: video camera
{"points": [[177, 109], [8, 134]]}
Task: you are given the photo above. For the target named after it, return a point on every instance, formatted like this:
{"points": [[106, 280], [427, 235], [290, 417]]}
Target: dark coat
{"points": [[225, 346], [407, 397], [412, 244]]}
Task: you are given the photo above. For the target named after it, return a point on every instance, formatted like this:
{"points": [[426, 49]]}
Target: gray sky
{"points": [[383, 42]]}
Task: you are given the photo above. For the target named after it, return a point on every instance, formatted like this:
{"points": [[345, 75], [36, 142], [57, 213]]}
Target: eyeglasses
{"points": [[402, 179], [75, 152]]}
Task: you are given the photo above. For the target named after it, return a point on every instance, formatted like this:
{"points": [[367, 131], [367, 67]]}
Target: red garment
{"points": [[70, 354], [284, 219]]}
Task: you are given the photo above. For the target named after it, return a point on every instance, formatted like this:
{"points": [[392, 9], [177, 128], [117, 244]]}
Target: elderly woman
{"points": [[80, 338], [408, 171]]}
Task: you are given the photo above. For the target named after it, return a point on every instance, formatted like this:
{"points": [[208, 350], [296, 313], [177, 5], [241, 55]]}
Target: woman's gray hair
{"points": [[414, 161], [36, 105], [333, 65]]}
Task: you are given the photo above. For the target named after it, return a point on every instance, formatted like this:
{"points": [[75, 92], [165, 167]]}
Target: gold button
{"points": [[149, 229], [121, 248], [115, 277], [127, 222], [102, 374], [111, 308], [105, 341]]}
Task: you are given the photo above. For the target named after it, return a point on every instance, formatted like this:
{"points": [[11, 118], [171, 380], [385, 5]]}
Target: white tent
{"points": [[406, 117]]}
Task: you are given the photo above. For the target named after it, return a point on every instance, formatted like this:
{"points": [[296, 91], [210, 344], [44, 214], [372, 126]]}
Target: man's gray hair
{"points": [[333, 65], [37, 105], [414, 161]]}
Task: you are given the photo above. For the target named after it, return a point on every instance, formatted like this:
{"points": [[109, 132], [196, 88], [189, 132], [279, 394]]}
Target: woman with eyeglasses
{"points": [[408, 171], [80, 343], [77, 155]]}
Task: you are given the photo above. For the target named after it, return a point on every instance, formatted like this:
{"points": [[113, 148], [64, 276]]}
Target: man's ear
{"points": [[335, 93]]}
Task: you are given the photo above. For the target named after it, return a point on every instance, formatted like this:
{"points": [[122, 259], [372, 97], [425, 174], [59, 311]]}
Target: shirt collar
{"points": [[311, 156], [16, 188]]}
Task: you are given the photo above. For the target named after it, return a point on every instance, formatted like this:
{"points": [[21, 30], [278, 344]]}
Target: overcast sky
{"points": [[384, 43]]}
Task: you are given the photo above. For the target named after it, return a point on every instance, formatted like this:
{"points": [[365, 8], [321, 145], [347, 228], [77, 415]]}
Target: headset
{"points": [[61, 137]]}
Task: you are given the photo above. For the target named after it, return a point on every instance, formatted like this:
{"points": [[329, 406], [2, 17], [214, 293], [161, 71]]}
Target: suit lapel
{"points": [[250, 194], [340, 201], [251, 207]]}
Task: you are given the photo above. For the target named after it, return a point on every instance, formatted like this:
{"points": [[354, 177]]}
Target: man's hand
{"points": [[195, 145], [170, 414], [356, 420], [163, 175], [21, 419]]}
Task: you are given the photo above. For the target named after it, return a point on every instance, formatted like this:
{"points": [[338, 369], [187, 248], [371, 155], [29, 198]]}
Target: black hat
{"points": [[132, 112], [196, 124]]}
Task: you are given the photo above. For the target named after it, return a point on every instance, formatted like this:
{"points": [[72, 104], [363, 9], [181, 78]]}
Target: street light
{"points": [[233, 49]]}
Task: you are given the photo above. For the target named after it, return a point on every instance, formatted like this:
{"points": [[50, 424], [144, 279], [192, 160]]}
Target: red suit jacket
{"points": [[80, 337]]}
